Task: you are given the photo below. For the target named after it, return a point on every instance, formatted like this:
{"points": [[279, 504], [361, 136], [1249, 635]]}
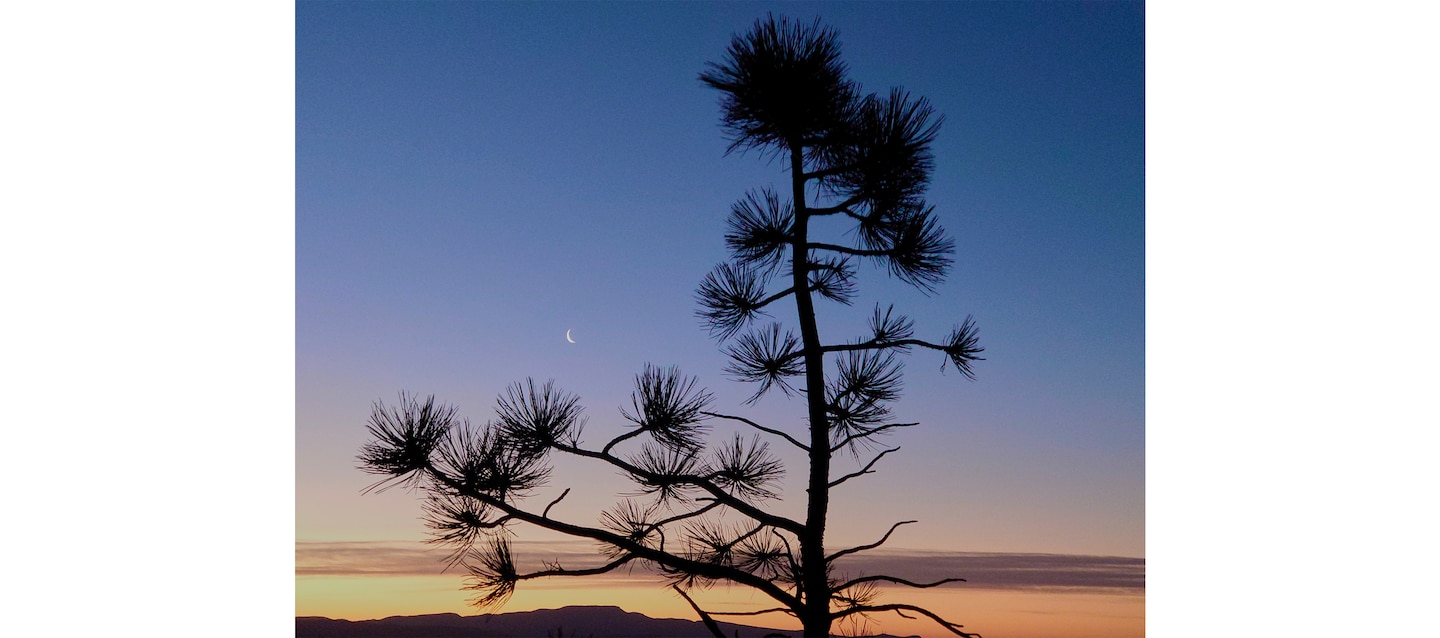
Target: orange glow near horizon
{"points": [[994, 613]]}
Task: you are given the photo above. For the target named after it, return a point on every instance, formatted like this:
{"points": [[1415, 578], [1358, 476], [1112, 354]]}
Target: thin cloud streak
{"points": [[398, 558], [1004, 571], [1040, 572]]}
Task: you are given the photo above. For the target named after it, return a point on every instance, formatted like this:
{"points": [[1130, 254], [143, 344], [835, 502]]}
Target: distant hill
{"points": [[566, 622]]}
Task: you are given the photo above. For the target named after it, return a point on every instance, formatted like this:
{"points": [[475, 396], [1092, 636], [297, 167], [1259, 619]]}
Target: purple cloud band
{"points": [[1061, 572]]}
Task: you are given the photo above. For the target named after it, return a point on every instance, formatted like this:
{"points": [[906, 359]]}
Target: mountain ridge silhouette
{"points": [[576, 621]]}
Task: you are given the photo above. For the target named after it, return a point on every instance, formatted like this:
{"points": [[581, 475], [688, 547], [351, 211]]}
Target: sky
{"points": [[475, 180], [153, 352]]}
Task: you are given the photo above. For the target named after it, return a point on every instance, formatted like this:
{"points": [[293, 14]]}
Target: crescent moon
{"points": [[567, 337]]}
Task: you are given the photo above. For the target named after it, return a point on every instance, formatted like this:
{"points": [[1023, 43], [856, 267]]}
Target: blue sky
{"points": [[473, 180]]}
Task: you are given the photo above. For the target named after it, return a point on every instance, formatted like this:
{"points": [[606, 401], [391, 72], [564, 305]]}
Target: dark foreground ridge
{"points": [[566, 622]]}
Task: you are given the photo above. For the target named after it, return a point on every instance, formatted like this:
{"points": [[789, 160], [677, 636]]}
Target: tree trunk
{"points": [[816, 611]]}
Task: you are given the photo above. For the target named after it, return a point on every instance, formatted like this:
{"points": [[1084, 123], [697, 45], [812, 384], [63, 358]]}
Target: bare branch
{"points": [[704, 617], [622, 438], [762, 428], [577, 572], [794, 564], [879, 345], [680, 517], [842, 207], [874, 344], [847, 250], [961, 347], [831, 558], [827, 172], [775, 297], [546, 513], [868, 433], [900, 608], [864, 470]]}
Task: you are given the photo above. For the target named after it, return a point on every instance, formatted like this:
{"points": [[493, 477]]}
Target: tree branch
{"points": [[847, 250], [678, 517], [831, 558], [577, 572], [762, 428], [637, 550], [616, 441], [842, 207], [880, 345], [868, 433], [793, 564], [868, 345], [701, 482], [774, 298], [864, 470], [833, 170], [900, 608], [704, 617], [546, 513]]}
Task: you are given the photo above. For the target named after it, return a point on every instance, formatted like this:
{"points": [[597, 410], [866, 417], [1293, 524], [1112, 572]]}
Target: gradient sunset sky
{"points": [[473, 180], [163, 159]]}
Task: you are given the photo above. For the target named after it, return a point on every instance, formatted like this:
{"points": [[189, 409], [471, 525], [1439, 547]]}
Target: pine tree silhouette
{"points": [[865, 158]]}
